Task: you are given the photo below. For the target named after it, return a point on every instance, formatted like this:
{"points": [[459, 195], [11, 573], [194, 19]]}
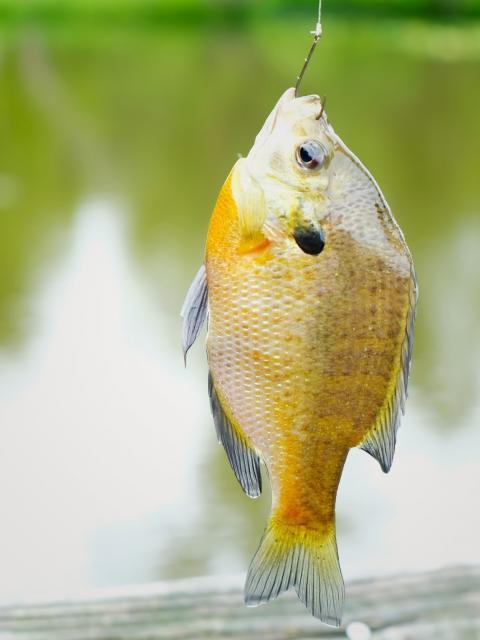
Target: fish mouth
{"points": [[289, 96], [306, 105], [311, 240]]}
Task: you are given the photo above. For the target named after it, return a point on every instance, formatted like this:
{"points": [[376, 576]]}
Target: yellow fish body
{"points": [[310, 293]]}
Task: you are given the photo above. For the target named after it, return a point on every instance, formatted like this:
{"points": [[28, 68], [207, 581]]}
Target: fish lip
{"points": [[312, 97], [311, 240], [288, 97], [271, 121]]}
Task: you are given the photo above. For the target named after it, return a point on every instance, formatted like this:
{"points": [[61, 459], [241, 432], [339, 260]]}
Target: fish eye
{"points": [[311, 155]]}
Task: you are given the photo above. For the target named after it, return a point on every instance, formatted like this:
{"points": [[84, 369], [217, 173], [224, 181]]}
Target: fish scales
{"points": [[311, 303], [301, 355]]}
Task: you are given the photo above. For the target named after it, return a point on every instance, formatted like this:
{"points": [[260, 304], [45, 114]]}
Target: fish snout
{"points": [[310, 239]]}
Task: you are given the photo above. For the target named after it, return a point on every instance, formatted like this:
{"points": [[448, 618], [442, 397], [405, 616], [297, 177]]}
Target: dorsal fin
{"points": [[381, 439], [194, 310], [243, 459]]}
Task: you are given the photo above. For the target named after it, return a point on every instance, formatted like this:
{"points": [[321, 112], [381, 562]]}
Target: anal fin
{"points": [[243, 459]]}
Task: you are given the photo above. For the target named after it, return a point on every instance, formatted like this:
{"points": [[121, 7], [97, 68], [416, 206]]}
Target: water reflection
{"points": [[109, 470], [96, 433]]}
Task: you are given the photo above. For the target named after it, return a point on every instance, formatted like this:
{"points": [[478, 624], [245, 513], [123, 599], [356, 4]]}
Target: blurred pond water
{"points": [[113, 145]]}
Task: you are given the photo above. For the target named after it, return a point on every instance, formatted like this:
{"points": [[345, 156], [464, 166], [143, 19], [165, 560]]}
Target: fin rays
{"points": [[381, 439], [194, 310], [243, 459], [305, 560]]}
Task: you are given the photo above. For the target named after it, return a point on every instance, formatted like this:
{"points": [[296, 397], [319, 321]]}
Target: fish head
{"points": [[288, 168], [301, 182], [294, 147]]}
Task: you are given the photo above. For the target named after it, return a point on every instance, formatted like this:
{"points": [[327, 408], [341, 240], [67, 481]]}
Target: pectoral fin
{"points": [[243, 459], [194, 310], [251, 208], [381, 439]]}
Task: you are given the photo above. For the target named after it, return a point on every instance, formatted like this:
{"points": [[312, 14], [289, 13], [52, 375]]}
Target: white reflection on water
{"points": [[95, 430], [422, 514], [103, 440]]}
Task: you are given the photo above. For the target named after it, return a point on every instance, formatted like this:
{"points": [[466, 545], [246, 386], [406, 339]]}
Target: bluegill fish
{"points": [[310, 293]]}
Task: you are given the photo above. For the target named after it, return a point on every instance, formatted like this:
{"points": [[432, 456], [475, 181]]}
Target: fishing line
{"points": [[317, 34]]}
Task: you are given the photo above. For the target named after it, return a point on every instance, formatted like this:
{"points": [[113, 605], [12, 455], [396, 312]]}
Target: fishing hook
{"points": [[322, 110], [317, 34]]}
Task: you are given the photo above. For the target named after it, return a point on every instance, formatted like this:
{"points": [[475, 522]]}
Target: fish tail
{"points": [[307, 559]]}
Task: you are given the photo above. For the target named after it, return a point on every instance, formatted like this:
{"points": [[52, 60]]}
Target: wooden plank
{"points": [[440, 605]]}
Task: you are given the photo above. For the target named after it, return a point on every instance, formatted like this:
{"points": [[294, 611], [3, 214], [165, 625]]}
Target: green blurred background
{"points": [[119, 120]]}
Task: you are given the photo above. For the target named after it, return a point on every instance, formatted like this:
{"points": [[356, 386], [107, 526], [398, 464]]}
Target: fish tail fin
{"points": [[293, 556]]}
